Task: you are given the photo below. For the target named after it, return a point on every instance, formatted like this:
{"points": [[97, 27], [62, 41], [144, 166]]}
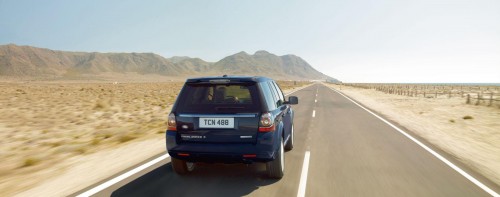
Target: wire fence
{"points": [[472, 94]]}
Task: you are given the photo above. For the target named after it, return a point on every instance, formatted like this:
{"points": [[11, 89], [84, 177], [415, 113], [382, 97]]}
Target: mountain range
{"points": [[28, 61]]}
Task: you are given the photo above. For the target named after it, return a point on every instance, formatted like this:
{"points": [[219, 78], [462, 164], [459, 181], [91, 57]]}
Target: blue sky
{"points": [[352, 40]]}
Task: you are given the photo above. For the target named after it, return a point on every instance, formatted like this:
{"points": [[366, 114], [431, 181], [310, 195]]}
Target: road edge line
{"points": [[303, 175], [299, 89], [122, 177], [434, 153]]}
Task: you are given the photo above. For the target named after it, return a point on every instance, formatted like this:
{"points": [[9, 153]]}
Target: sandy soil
{"points": [[84, 170], [44, 124], [58, 138], [443, 122]]}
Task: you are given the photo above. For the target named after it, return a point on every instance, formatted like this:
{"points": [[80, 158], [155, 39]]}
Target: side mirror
{"points": [[293, 100]]}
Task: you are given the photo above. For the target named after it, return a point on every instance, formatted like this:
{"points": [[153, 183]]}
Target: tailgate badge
{"points": [[245, 136], [184, 127]]}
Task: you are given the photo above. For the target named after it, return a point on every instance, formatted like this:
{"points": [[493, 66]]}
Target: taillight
{"points": [[249, 155], [266, 123], [172, 124]]}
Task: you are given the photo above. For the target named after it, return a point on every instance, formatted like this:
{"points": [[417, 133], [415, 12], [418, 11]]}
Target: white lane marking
{"points": [[122, 177], [314, 113], [303, 175], [315, 100], [446, 161]]}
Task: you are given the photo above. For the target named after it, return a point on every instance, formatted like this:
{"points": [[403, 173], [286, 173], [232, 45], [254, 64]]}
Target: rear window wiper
{"points": [[222, 108]]}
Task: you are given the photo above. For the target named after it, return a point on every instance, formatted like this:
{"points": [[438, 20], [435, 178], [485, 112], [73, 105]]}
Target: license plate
{"points": [[220, 123]]}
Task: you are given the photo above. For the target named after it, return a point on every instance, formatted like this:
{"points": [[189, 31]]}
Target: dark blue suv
{"points": [[230, 119]]}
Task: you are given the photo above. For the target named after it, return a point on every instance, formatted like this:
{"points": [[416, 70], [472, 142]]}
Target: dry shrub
{"points": [[467, 117], [96, 141], [100, 105], [126, 138], [55, 144], [30, 161], [81, 150], [160, 131], [106, 136]]}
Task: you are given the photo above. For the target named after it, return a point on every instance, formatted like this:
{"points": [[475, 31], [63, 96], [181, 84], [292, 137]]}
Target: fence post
{"points": [[491, 99], [468, 99], [478, 99]]}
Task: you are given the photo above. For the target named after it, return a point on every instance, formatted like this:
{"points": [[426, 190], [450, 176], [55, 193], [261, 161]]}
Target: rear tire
{"points": [[182, 167], [289, 144], [276, 168]]}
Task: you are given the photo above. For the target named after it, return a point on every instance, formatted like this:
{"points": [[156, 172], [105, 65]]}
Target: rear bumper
{"points": [[262, 151]]}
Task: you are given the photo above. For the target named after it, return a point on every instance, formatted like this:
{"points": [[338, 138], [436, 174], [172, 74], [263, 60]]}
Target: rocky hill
{"points": [[27, 61]]}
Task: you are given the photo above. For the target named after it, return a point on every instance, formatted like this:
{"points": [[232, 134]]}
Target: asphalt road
{"points": [[352, 153]]}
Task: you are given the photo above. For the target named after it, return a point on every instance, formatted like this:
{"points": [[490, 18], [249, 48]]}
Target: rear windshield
{"points": [[219, 98]]}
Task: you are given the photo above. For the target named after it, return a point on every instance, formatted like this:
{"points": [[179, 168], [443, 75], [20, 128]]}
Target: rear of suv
{"points": [[230, 120]]}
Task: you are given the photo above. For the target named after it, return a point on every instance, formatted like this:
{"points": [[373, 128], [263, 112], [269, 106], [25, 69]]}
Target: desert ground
{"points": [[469, 132], [59, 137]]}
